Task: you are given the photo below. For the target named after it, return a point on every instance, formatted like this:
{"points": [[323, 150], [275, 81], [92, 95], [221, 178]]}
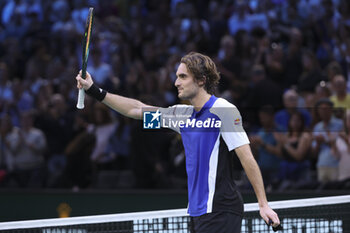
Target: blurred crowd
{"points": [[284, 63]]}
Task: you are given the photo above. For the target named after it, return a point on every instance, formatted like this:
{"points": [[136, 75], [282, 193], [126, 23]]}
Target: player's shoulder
{"points": [[224, 109], [182, 107], [221, 102], [178, 109]]}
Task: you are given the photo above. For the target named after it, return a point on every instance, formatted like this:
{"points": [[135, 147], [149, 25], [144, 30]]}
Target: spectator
{"points": [[78, 170], [228, 64], [5, 128], [295, 148], [6, 93], [324, 133], [290, 102], [36, 63], [262, 91], [118, 145], [140, 43], [274, 63], [79, 14], [311, 75], [57, 124], [322, 91], [22, 101], [341, 98], [101, 70], [333, 69], [326, 29], [292, 62], [12, 8], [26, 145], [58, 10], [13, 56], [166, 87], [103, 131], [266, 145], [63, 28], [178, 163], [150, 163], [242, 20], [217, 24], [341, 149]]}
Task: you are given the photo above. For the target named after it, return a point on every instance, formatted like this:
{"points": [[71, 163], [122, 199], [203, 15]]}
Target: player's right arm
{"points": [[127, 106]]}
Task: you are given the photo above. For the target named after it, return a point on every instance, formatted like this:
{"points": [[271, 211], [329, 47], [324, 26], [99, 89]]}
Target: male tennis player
{"points": [[210, 127]]}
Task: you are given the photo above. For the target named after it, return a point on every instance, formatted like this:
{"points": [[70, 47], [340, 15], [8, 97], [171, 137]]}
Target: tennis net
{"points": [[311, 215]]}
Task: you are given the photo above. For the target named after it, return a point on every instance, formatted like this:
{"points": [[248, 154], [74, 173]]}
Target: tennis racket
{"points": [[86, 43]]}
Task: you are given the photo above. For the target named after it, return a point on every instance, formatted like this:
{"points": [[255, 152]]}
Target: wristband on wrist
{"points": [[96, 92]]}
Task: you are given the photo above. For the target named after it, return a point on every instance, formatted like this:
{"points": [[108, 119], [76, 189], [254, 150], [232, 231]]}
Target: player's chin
{"points": [[181, 96]]}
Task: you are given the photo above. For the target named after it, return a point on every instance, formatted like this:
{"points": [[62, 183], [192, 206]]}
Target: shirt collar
{"points": [[207, 105]]}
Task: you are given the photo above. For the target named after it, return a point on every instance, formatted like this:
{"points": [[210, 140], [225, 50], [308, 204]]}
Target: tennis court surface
{"points": [[311, 215]]}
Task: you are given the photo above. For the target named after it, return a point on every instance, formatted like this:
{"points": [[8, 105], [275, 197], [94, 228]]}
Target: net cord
{"points": [[95, 219]]}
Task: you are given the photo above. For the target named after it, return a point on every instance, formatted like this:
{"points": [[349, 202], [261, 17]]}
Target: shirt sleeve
{"points": [[232, 130], [172, 115]]}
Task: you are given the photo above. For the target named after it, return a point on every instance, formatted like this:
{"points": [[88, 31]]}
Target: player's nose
{"points": [[177, 83]]}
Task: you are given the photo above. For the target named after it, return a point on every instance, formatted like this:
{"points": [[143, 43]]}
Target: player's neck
{"points": [[200, 99]]}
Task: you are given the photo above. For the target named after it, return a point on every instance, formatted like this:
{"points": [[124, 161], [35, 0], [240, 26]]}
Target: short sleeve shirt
{"points": [[208, 137]]}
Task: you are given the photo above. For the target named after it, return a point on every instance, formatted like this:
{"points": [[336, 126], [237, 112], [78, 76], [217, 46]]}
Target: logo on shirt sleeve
{"points": [[237, 121], [151, 119]]}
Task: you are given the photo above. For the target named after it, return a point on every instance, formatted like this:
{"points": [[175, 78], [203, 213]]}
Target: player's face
{"points": [[186, 86]]}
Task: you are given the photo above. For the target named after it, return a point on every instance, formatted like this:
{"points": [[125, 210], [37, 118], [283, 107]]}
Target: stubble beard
{"points": [[187, 96]]}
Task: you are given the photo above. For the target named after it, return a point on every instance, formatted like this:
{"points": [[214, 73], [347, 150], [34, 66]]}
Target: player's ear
{"points": [[201, 82]]}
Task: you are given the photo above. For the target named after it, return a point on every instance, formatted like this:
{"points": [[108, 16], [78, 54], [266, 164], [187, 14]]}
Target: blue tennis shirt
{"points": [[208, 137]]}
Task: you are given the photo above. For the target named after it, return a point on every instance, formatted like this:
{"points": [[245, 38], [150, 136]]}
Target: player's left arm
{"points": [[252, 170]]}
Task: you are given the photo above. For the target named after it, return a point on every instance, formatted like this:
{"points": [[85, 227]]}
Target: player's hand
{"points": [[268, 214], [84, 83]]}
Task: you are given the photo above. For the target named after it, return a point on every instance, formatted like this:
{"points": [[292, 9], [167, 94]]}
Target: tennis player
{"points": [[215, 205]]}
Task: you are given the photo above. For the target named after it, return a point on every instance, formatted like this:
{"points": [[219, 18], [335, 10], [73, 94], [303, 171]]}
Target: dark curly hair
{"points": [[203, 69]]}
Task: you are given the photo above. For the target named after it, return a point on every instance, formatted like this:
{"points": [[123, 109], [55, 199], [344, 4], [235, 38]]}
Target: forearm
{"points": [[254, 175], [126, 106], [252, 170]]}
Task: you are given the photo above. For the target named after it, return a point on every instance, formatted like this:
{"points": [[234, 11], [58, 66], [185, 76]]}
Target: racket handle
{"points": [[81, 97]]}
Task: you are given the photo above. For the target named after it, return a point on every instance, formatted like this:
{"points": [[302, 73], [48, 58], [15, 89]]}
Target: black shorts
{"points": [[218, 222]]}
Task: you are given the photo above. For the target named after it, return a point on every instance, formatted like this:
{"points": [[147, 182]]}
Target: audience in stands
{"points": [[295, 150], [325, 132], [341, 150], [25, 154], [262, 49], [265, 146], [291, 104]]}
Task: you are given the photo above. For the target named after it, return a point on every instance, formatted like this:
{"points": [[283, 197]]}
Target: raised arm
{"points": [[254, 175], [127, 106]]}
